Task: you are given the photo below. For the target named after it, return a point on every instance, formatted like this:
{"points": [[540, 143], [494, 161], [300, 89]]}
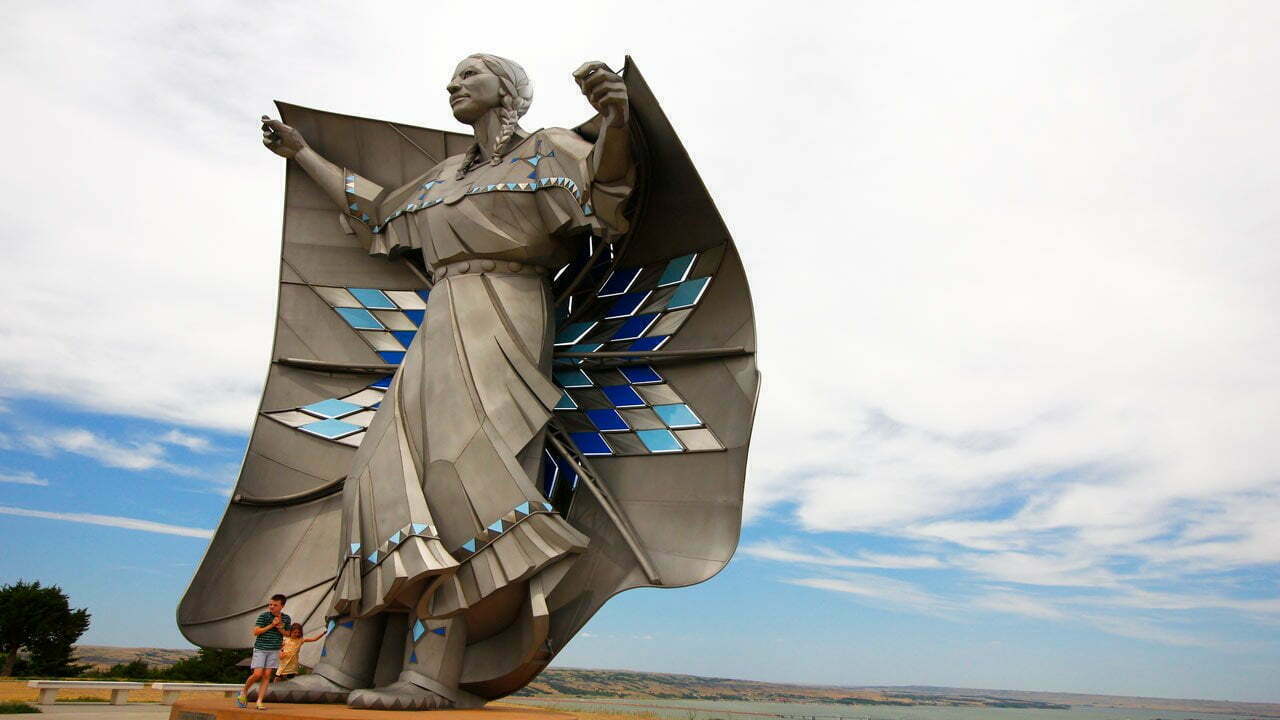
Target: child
{"points": [[266, 649], [289, 652]]}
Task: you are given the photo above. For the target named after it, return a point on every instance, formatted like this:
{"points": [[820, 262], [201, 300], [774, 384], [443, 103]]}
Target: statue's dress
{"points": [[441, 508]]}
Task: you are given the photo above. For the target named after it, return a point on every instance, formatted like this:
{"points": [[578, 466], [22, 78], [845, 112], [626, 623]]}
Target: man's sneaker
{"points": [[242, 701], [261, 706]]}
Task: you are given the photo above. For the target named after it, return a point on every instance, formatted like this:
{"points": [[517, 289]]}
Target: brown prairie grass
{"points": [[17, 690]]}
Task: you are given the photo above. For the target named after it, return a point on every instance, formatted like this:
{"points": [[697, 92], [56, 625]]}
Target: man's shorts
{"points": [[265, 659]]}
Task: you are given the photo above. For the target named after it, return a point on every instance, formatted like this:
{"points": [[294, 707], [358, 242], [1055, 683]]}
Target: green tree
{"points": [[39, 620], [137, 669], [209, 665]]}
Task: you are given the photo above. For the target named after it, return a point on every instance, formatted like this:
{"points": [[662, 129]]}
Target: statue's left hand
{"points": [[281, 139], [605, 90]]}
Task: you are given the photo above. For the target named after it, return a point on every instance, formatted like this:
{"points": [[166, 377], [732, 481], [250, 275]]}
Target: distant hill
{"points": [[582, 684], [102, 657]]}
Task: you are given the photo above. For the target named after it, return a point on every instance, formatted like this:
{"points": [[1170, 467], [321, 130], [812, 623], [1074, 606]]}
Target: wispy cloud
{"points": [[23, 478], [109, 521], [195, 443], [881, 591], [1018, 604], [809, 554], [137, 455], [1111, 607], [129, 455]]}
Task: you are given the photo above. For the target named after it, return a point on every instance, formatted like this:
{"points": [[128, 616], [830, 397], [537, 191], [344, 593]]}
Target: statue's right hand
{"points": [[280, 138]]}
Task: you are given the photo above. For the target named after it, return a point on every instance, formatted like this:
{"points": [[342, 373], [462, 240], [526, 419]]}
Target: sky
{"points": [[1013, 267]]}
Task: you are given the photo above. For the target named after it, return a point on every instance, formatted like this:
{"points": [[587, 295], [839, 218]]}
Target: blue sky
{"points": [[1014, 278]]}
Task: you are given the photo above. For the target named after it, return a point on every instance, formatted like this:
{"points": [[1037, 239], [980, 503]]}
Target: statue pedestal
{"points": [[225, 709]]}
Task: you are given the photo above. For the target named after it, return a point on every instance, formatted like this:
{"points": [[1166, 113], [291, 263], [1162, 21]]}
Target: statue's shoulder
{"points": [[565, 140], [449, 165]]}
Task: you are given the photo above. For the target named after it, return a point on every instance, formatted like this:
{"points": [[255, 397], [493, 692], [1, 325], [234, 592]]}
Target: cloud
{"points": [[23, 478], [1017, 604], [194, 443], [808, 554], [881, 591], [129, 456], [109, 521], [135, 455]]}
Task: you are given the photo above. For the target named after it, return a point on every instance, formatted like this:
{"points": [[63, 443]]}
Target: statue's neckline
{"points": [[483, 163]]}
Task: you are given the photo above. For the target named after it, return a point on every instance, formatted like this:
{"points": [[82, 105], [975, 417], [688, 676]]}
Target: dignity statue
{"points": [[513, 376]]}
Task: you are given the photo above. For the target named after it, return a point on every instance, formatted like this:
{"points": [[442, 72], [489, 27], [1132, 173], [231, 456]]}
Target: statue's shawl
{"points": [[667, 440]]}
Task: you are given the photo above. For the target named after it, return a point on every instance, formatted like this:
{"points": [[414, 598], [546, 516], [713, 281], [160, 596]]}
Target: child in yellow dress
{"points": [[289, 652]]}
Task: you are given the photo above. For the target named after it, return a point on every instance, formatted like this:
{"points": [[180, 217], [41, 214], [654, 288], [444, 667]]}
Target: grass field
{"points": [[18, 690]]}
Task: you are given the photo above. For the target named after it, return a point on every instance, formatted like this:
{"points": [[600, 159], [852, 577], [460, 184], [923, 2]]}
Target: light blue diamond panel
{"points": [[332, 408], [343, 420]]}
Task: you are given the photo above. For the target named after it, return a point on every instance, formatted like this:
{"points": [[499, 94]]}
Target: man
{"points": [[269, 629]]}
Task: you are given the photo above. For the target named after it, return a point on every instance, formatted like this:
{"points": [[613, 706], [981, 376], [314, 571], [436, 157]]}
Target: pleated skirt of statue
{"points": [[441, 507]]}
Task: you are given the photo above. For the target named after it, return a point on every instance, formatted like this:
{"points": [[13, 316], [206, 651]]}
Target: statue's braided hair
{"points": [[517, 95]]}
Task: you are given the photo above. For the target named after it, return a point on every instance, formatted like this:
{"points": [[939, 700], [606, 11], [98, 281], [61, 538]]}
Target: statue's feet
{"points": [[305, 689], [399, 695]]}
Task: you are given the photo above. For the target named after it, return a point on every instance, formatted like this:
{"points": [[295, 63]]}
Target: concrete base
{"points": [[221, 709]]}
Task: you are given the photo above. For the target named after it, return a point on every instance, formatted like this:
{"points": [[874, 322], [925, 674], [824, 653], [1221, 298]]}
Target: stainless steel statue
{"points": [[513, 377]]}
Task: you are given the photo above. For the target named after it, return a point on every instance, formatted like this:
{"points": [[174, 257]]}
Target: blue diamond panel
{"points": [[688, 293], [618, 282], [677, 416], [634, 327], [590, 443], [649, 343], [373, 299], [607, 420], [572, 333], [627, 305], [332, 408], [677, 270], [331, 429], [659, 441], [640, 374], [571, 378], [623, 396], [359, 318]]}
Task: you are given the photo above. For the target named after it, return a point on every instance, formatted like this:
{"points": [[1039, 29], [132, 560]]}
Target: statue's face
{"points": [[473, 91]]}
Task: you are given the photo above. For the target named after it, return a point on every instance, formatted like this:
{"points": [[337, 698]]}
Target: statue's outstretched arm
{"points": [[289, 143], [607, 93]]}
